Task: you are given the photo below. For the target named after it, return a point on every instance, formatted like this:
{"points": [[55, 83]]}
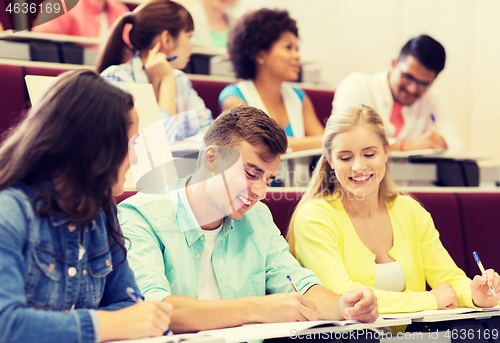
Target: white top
{"points": [[208, 288], [293, 104], [373, 90], [389, 277]]}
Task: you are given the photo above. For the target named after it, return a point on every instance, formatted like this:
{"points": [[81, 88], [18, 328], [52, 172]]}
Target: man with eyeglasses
{"points": [[412, 113]]}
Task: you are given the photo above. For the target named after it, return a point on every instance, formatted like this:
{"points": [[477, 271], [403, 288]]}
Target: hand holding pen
{"points": [[145, 319], [138, 299], [488, 282]]}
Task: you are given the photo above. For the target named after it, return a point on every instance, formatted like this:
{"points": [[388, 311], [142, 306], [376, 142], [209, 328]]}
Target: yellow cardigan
{"points": [[327, 243]]}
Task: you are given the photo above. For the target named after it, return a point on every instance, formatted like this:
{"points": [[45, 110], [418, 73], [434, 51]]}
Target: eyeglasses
{"points": [[408, 79]]}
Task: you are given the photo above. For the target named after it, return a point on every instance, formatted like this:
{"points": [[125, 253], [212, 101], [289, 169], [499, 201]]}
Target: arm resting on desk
{"points": [[192, 315]]}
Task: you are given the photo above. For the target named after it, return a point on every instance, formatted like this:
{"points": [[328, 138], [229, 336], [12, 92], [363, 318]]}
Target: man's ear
{"points": [[394, 62], [209, 157]]}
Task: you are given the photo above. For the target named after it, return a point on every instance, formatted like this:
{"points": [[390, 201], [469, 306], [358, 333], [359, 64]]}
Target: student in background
{"points": [[139, 49], [353, 228], [211, 20], [413, 115], [211, 249], [263, 48], [63, 266], [89, 18]]}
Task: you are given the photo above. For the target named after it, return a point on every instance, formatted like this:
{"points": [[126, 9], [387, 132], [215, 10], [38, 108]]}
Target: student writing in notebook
{"points": [[413, 113], [211, 249], [63, 266], [353, 228], [263, 47], [150, 45]]}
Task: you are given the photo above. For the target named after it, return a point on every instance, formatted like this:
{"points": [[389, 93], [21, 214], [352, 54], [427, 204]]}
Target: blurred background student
{"points": [[89, 18], [137, 51], [354, 229], [63, 266], [263, 47], [212, 21], [413, 113]]}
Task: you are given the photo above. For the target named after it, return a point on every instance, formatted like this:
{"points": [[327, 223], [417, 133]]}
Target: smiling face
{"points": [[283, 59], [409, 80], [359, 159], [247, 181]]}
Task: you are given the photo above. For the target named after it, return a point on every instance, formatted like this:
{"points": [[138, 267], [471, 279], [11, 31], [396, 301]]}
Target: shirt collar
{"points": [[386, 88], [138, 72], [185, 217]]}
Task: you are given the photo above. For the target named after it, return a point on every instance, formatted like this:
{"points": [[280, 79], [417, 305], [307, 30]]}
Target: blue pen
{"points": [[481, 268], [138, 299], [433, 119], [171, 58], [291, 283]]}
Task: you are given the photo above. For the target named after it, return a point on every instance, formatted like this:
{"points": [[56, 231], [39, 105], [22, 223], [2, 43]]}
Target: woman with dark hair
{"points": [[263, 46], [149, 45], [63, 267]]}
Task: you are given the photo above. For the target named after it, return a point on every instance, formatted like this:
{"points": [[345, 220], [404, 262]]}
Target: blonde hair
{"points": [[323, 181]]}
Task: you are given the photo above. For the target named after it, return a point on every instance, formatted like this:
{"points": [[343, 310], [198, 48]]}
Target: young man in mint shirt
{"points": [[212, 250]]}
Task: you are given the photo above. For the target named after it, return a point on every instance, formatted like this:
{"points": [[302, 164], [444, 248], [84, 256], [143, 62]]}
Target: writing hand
{"points": [[480, 289]]}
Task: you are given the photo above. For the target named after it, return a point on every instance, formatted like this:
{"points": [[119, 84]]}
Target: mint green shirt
{"points": [[219, 39], [250, 257]]}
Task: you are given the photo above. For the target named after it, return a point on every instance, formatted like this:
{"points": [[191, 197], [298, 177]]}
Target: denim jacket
{"points": [[53, 275]]}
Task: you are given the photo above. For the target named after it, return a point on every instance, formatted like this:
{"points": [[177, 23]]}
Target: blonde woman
{"points": [[353, 228]]}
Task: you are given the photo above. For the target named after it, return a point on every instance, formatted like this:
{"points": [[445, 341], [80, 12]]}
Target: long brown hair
{"points": [[77, 135], [148, 21], [323, 182]]}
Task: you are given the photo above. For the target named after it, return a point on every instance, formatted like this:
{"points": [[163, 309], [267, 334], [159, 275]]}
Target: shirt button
{"points": [[84, 272], [190, 239], [71, 227], [202, 237], [72, 271], [52, 266], [197, 255], [108, 262], [196, 295]]}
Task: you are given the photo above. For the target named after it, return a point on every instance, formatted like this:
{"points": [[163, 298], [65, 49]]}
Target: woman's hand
{"points": [[156, 66], [445, 295], [480, 289], [147, 319]]}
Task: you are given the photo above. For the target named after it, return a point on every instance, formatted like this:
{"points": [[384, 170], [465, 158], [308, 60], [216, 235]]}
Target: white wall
{"points": [[342, 36]]}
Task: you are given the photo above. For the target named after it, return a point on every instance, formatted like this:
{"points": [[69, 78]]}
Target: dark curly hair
{"points": [[256, 32]]}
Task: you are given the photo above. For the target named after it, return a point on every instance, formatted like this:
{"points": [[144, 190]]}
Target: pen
{"points": [[138, 299], [481, 268], [291, 283], [433, 119], [171, 58]]}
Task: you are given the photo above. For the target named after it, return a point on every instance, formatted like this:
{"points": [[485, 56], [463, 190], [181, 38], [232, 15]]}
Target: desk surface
{"points": [[23, 36]]}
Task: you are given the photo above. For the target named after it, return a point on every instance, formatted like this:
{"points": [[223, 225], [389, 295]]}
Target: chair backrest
{"points": [[209, 91], [12, 96]]}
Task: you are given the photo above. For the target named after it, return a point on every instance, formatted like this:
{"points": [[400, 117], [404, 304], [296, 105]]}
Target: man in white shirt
{"points": [[412, 113]]}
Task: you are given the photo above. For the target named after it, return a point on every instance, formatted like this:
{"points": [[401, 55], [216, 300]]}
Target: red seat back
{"points": [[12, 96]]}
